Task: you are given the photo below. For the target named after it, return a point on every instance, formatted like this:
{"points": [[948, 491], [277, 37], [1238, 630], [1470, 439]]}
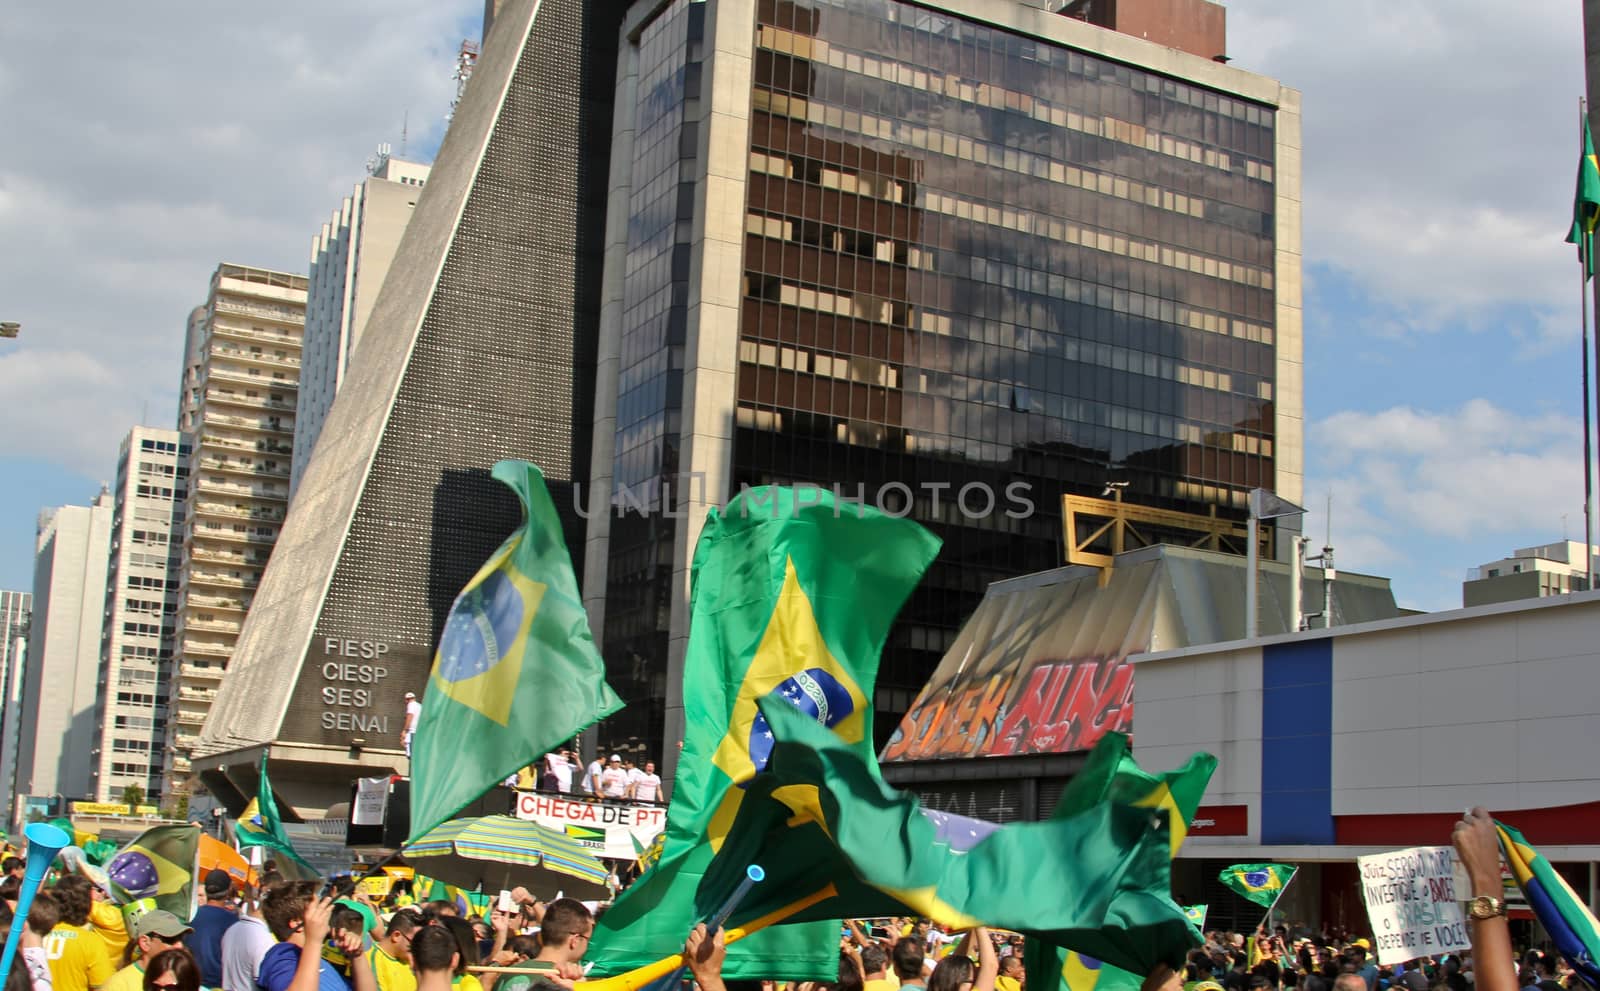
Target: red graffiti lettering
{"points": [[1030, 709]]}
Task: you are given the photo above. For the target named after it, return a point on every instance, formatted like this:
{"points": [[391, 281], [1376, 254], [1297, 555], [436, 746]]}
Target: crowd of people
{"points": [[256, 937], [616, 779]]}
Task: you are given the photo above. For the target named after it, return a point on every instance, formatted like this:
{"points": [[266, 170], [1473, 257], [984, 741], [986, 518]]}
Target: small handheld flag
{"points": [[1259, 883]]}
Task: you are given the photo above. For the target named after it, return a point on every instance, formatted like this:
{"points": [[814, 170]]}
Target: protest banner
{"points": [[608, 829], [1411, 900]]}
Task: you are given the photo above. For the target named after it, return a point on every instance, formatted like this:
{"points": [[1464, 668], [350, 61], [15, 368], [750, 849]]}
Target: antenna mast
{"points": [[466, 58]]}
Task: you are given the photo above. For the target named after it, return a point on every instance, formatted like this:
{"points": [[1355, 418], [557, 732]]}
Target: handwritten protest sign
{"points": [[1412, 902]]}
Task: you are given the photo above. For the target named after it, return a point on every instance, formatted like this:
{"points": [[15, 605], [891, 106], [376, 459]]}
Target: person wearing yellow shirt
{"points": [[1010, 978], [153, 932], [391, 956], [875, 969], [76, 954], [105, 917]]}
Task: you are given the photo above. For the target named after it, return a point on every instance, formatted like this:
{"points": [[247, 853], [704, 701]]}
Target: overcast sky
{"points": [[148, 142]]}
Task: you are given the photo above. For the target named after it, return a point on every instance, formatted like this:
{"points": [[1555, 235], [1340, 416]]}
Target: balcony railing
{"points": [[272, 424], [260, 357], [245, 378]]}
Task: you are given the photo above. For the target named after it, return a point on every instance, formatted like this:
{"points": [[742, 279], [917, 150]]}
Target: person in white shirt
{"points": [[591, 777], [413, 713], [244, 944], [563, 770], [647, 786], [614, 780]]}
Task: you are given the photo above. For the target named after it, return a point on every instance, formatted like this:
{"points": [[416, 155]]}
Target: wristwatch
{"points": [[1486, 907]]}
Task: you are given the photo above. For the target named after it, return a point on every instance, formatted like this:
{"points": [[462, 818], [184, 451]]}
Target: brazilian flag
{"points": [[158, 866], [1259, 883], [259, 825], [1558, 907], [791, 593], [517, 641], [1112, 775], [819, 820], [1586, 202]]}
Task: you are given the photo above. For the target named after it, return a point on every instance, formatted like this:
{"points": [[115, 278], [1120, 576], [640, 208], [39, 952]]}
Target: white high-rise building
{"points": [[62, 672], [141, 613], [241, 375], [15, 608], [350, 257]]}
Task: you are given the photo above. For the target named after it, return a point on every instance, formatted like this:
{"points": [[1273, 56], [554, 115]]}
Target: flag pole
{"points": [[1268, 920], [1586, 254]]}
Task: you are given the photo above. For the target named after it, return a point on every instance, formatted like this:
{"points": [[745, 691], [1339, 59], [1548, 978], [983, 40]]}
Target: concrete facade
{"points": [[61, 676], [350, 258], [141, 614], [240, 381], [15, 610], [1530, 573]]}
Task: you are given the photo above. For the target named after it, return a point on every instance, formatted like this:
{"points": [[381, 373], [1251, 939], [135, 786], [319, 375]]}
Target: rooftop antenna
{"points": [[405, 126], [466, 58]]}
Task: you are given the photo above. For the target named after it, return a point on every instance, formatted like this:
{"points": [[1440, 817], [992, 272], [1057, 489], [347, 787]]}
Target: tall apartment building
{"points": [[15, 609], [240, 381], [141, 613], [350, 257], [61, 675], [959, 260]]}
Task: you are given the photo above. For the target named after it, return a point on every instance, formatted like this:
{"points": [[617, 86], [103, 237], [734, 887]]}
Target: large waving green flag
{"points": [[1111, 774], [259, 825], [819, 817], [1586, 202], [516, 641], [794, 593]]}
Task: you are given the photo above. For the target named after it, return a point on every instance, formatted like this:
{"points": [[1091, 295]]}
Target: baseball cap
{"points": [[1361, 943], [411, 695], [615, 759], [218, 883], [159, 923]]}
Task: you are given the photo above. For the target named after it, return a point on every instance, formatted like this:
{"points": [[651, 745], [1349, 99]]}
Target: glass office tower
{"points": [[956, 262]]}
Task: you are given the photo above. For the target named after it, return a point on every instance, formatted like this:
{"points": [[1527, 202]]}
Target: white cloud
{"points": [[1424, 495], [1440, 146], [144, 146]]}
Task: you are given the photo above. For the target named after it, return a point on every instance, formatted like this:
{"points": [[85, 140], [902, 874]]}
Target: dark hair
{"points": [[432, 950], [1315, 982], [952, 972], [73, 895], [179, 964], [524, 946], [269, 878], [12, 863], [18, 979], [873, 959], [466, 941], [343, 886], [9, 886], [404, 921], [907, 958], [1270, 970], [348, 919], [284, 904], [563, 919], [44, 914]]}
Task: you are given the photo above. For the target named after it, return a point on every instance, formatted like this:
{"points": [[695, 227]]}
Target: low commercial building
{"points": [[1334, 744]]}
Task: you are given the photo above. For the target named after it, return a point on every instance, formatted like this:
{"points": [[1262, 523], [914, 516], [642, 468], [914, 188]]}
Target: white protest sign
{"points": [[372, 800], [608, 829], [1412, 902]]}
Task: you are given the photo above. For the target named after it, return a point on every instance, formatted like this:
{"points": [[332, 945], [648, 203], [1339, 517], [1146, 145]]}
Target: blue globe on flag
{"points": [[1257, 879], [481, 628], [814, 692]]}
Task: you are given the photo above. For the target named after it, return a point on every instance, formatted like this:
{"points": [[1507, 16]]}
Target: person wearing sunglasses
{"points": [[172, 970], [390, 956]]}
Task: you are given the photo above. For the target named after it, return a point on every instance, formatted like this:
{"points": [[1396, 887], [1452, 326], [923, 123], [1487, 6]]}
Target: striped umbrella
{"points": [[499, 851]]}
